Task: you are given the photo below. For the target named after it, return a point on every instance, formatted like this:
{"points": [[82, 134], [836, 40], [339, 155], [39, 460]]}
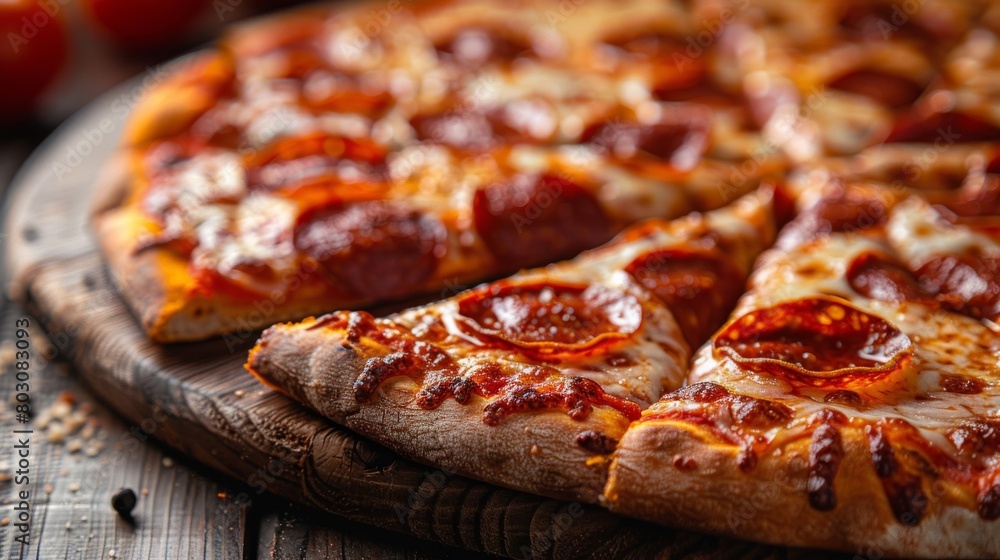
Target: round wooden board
{"points": [[198, 399]]}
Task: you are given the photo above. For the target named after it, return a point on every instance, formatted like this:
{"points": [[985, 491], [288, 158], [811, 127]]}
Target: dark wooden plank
{"points": [[70, 491], [203, 404], [298, 534]]}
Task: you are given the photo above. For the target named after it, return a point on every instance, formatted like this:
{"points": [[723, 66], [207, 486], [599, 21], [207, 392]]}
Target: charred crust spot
{"points": [[359, 323], [747, 459], [431, 396], [908, 501], [379, 369], [988, 502], [977, 437], [704, 392], [596, 442], [685, 463], [825, 452], [903, 488], [883, 456], [575, 396], [844, 397], [830, 416], [962, 384], [759, 413], [620, 360]]}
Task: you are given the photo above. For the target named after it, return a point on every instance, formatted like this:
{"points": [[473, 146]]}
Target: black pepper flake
{"points": [[124, 502]]}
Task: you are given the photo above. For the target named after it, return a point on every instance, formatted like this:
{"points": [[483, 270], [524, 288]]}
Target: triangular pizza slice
{"points": [[529, 382], [850, 402]]}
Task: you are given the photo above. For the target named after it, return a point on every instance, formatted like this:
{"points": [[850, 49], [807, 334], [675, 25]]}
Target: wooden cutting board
{"points": [[198, 399]]}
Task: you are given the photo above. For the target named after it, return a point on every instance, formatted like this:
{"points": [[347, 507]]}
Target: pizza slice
{"points": [[530, 381], [849, 403], [299, 167]]}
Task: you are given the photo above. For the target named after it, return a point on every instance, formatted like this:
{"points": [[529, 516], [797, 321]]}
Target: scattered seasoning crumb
{"points": [[73, 487], [83, 518], [64, 472], [4, 522], [239, 393], [124, 502], [57, 433], [111, 553], [145, 491], [69, 526], [48, 488], [69, 423], [167, 462]]}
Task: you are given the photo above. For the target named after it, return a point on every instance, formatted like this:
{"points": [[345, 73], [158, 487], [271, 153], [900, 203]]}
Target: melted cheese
{"points": [[944, 343]]}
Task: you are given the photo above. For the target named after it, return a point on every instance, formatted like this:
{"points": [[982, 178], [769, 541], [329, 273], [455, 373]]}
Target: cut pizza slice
{"points": [[530, 381], [845, 404], [298, 168]]}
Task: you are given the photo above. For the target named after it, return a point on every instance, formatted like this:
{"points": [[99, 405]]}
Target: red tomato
{"points": [[33, 46], [143, 23]]}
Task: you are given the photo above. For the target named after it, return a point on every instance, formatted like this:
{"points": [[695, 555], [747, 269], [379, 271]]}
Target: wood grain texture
{"points": [[197, 399], [70, 492]]}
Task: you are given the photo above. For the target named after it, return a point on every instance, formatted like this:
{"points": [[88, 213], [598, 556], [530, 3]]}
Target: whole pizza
{"points": [[780, 314]]}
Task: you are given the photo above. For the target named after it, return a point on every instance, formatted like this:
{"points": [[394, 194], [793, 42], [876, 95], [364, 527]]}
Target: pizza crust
{"points": [[770, 503], [532, 452]]}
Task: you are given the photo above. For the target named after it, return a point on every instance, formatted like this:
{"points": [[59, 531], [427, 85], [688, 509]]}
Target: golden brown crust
{"points": [[706, 490], [138, 276], [156, 285], [534, 452]]}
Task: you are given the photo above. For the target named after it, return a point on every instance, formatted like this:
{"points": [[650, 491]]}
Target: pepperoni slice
{"points": [[534, 219], [371, 249], [699, 288], [680, 138], [881, 21], [948, 127], [676, 74], [815, 341], [294, 163], [847, 209], [551, 319], [968, 284], [475, 47], [888, 89], [878, 278]]}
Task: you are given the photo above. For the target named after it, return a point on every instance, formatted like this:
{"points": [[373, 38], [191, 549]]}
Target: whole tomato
{"points": [[33, 47], [143, 24]]}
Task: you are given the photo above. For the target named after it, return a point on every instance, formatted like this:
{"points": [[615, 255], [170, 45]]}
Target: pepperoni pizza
{"points": [[780, 316]]}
